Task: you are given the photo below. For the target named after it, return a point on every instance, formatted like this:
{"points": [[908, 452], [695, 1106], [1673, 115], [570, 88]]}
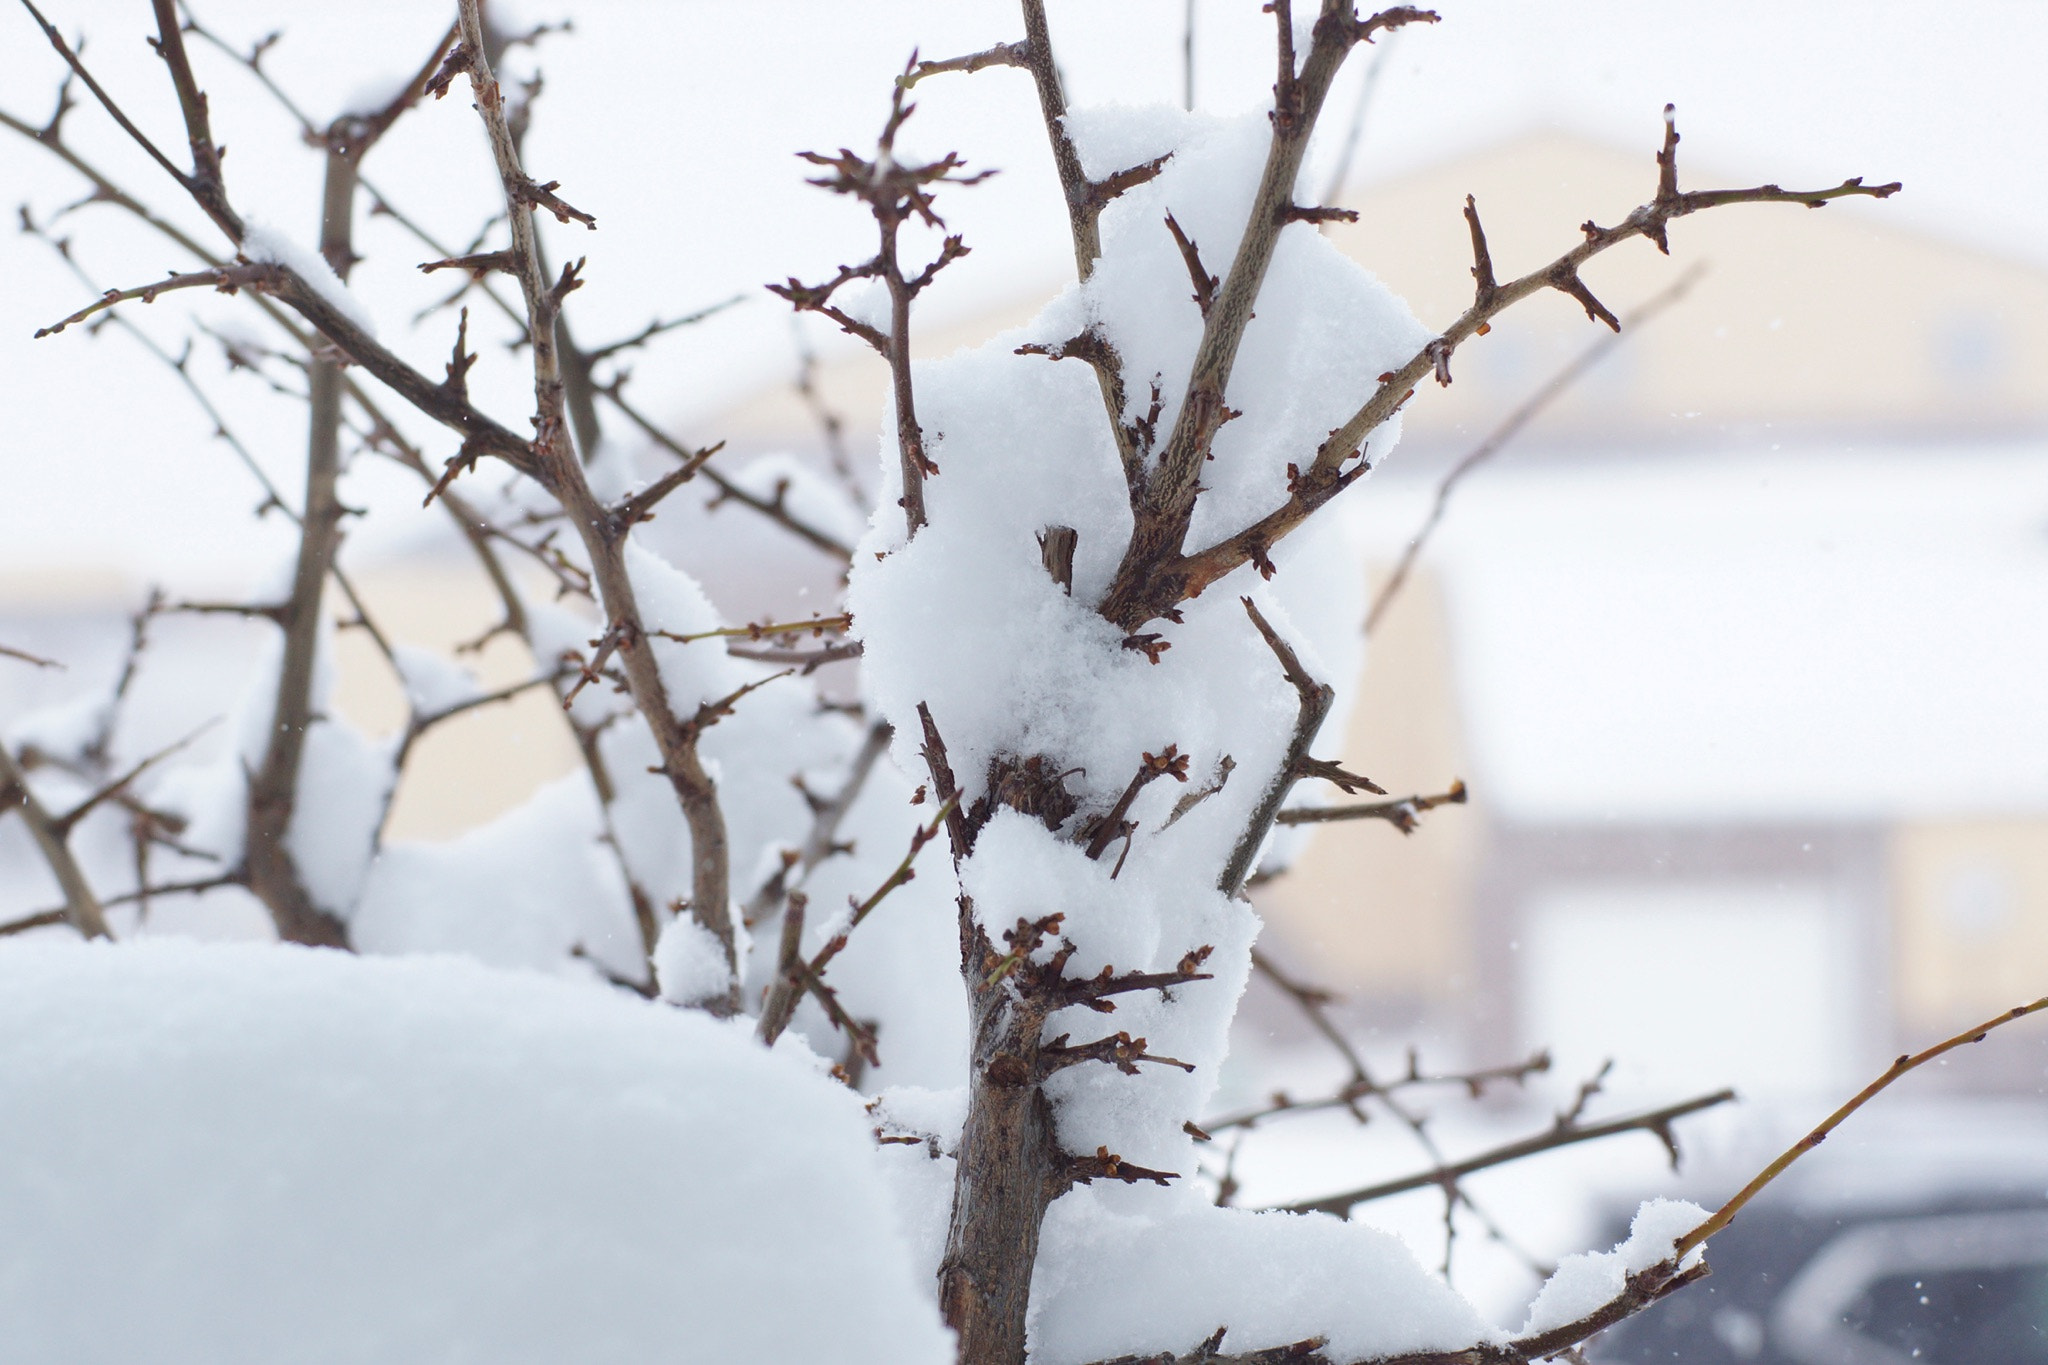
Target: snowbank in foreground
{"points": [[229, 1154]]}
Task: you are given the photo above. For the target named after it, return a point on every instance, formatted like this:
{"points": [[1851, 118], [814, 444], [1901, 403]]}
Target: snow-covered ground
{"points": [[243, 1154]]}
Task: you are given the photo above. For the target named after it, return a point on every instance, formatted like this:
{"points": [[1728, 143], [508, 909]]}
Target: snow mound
{"points": [[1121, 1275], [261, 1154]]}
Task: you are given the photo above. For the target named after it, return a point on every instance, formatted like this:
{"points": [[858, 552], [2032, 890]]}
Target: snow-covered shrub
{"points": [[1103, 601]]}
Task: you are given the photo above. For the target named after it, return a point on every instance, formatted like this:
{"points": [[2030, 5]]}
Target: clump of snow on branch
{"points": [[689, 963], [1585, 1281], [263, 244], [240, 1154]]}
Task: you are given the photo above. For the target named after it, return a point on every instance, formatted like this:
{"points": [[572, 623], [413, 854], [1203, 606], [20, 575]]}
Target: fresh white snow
{"points": [[268, 245], [1583, 1282], [218, 1155]]}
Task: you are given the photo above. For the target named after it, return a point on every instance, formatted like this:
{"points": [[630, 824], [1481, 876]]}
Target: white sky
{"points": [[674, 121]]}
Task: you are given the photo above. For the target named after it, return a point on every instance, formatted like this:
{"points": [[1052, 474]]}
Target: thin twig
{"points": [[1655, 1121], [81, 907], [226, 280], [1316, 699], [1725, 1215], [1155, 575], [1402, 814], [1002, 54], [770, 508], [8, 651], [827, 814], [1347, 1095], [1511, 426], [604, 541]]}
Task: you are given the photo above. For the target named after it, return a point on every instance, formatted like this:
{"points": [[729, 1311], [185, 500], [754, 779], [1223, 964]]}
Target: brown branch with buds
{"points": [[1403, 814], [1169, 762], [1511, 426], [225, 279], [1002, 54], [771, 508], [896, 193], [1151, 570], [1316, 699], [826, 815], [1725, 1215], [208, 190], [1564, 1133], [1156, 574], [794, 975], [1647, 1286], [1085, 200], [603, 539], [1359, 1088]]}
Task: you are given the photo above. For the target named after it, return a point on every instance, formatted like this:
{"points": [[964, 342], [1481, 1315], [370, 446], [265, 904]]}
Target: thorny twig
{"points": [[1403, 814], [896, 193], [796, 975], [1656, 1122], [1357, 1088], [603, 539], [1002, 54], [1511, 426], [1316, 699], [772, 508], [82, 907], [827, 813], [1314, 1005], [1085, 201], [206, 188], [1163, 502]]}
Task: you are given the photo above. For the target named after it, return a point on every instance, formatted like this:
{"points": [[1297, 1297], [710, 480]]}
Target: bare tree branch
{"points": [[81, 907], [1155, 574], [603, 539], [1150, 569], [1564, 1134], [1348, 1094], [1316, 700], [896, 193], [227, 280], [772, 508], [827, 815], [1402, 814], [1725, 1215], [8, 651], [1002, 54], [1511, 426]]}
